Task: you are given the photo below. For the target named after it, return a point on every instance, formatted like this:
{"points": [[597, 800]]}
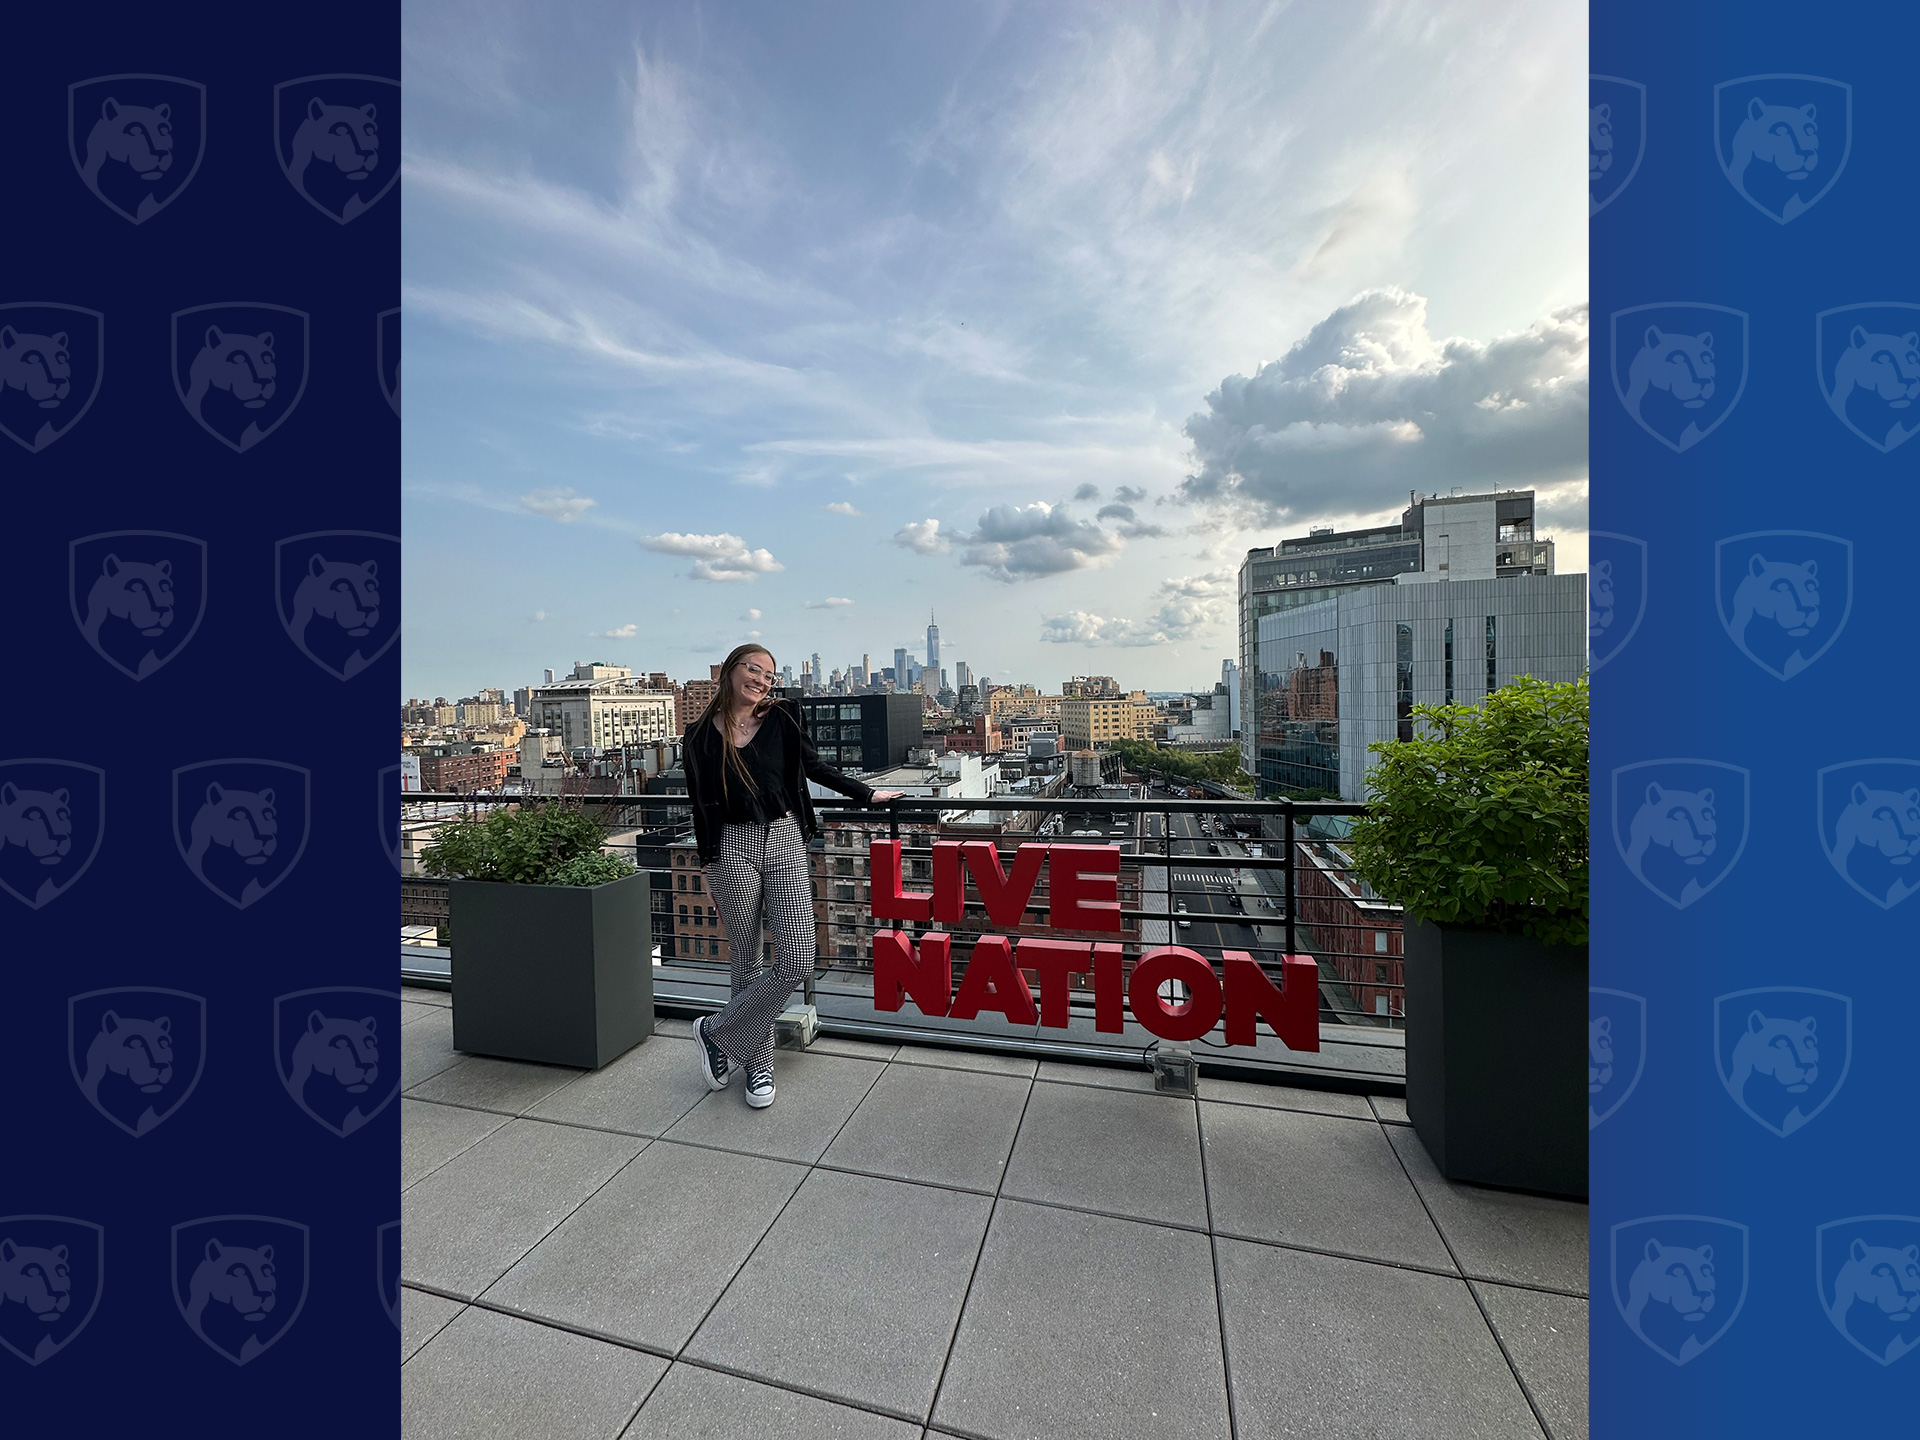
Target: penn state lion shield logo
{"points": [[136, 1052], [240, 1281], [1782, 1053], [1867, 1271], [339, 596], [1616, 593], [138, 596], [328, 1049], [137, 140], [1616, 137], [1782, 140], [1680, 825], [338, 140], [52, 1270], [52, 358], [240, 368], [386, 1269], [387, 811], [53, 815], [1866, 359], [1868, 812], [1679, 1281], [386, 355], [241, 825], [1784, 596], [1679, 368], [1616, 1050]]}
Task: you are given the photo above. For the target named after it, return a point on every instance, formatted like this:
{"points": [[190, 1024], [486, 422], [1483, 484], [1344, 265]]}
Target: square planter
{"points": [[558, 974], [1495, 1048]]}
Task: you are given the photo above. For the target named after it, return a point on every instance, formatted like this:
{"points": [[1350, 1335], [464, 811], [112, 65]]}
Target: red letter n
{"points": [[897, 973], [1293, 1011]]}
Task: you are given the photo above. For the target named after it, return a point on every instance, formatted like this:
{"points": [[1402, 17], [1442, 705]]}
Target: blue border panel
{"points": [[1756, 768], [200, 469]]}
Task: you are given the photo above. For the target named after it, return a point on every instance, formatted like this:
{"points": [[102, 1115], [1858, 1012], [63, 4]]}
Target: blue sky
{"points": [[798, 321]]}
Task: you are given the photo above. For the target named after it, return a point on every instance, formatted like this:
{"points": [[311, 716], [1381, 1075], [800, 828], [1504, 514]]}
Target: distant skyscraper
{"points": [[866, 668], [933, 643], [962, 674], [900, 676], [819, 675]]}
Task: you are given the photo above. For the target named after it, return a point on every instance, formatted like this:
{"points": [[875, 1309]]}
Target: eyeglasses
{"points": [[756, 671]]}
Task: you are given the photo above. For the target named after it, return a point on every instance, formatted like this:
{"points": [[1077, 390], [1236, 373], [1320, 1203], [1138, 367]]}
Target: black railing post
{"points": [[1287, 871]]}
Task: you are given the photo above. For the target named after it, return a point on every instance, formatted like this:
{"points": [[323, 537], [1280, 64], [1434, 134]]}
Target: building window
{"points": [[1490, 651], [680, 882], [696, 882], [1380, 972], [1380, 942], [1449, 676], [683, 912], [1403, 679]]}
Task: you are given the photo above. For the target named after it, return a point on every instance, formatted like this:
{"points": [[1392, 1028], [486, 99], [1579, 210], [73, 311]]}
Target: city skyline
{"points": [[795, 327]]}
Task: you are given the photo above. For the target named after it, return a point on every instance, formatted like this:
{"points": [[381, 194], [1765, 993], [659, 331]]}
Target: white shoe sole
{"points": [[714, 1082], [759, 1102]]}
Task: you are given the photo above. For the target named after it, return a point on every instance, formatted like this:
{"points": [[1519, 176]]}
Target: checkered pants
{"points": [[761, 866]]}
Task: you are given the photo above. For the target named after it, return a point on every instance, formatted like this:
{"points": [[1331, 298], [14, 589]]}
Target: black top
{"points": [[799, 763], [765, 799]]}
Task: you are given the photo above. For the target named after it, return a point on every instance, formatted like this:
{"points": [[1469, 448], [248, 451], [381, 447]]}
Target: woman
{"points": [[748, 760]]}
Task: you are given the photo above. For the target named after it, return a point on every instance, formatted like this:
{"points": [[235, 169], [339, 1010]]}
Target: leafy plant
{"points": [[1482, 819], [595, 869], [528, 846]]}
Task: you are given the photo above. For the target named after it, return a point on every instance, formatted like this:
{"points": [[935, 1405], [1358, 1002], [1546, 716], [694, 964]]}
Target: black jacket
{"points": [[700, 753]]}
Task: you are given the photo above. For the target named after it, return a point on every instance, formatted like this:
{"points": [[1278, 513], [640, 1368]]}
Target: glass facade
{"points": [[1492, 685], [1297, 692], [1449, 663], [1403, 680]]}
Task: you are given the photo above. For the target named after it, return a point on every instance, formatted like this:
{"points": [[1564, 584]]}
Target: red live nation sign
{"points": [[1084, 894]]}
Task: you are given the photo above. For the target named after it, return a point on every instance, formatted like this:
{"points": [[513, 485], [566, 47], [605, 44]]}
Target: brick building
{"points": [[462, 769]]}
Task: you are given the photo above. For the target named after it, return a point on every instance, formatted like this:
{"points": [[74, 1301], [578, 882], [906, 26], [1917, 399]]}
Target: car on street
{"points": [[1180, 914]]}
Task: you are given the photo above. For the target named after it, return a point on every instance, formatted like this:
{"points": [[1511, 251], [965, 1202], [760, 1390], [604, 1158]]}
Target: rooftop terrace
{"points": [[926, 1241]]}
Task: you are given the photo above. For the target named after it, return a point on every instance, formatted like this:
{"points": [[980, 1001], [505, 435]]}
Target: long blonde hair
{"points": [[724, 704]]}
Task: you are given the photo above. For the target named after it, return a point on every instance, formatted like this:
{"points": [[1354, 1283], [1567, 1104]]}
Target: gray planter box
{"points": [[558, 974], [1495, 1048]]}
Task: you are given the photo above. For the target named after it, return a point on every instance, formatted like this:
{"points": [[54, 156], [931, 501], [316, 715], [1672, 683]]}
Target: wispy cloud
{"points": [[841, 507], [557, 504], [715, 557], [623, 632], [1191, 606], [832, 602], [539, 617]]}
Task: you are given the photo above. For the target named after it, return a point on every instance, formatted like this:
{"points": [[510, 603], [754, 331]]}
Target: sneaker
{"points": [[760, 1089], [714, 1068]]}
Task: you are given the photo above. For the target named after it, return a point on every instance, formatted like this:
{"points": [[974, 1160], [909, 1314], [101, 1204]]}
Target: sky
{"points": [[799, 323]]}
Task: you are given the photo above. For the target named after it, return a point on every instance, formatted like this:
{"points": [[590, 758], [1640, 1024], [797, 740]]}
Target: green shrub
{"points": [[528, 846], [592, 870], [1482, 819]]}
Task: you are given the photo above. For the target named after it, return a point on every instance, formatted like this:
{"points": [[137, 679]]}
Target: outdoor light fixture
{"points": [[1174, 1072], [795, 1027]]}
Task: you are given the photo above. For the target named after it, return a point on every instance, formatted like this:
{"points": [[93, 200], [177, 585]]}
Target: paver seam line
{"points": [[1526, 1391], [634, 1415], [1210, 1100], [953, 1335], [747, 1259], [1219, 1300], [438, 1328], [457, 1154], [566, 1217], [587, 1333]]}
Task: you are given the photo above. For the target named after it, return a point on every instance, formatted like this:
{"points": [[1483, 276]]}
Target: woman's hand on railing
{"points": [[888, 794]]}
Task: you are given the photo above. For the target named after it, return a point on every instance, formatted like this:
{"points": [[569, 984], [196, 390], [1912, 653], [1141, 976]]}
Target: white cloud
{"points": [[557, 504], [625, 632], [923, 537], [715, 557], [841, 507], [1370, 405], [1024, 542], [753, 614], [1190, 606], [832, 602], [537, 617]]}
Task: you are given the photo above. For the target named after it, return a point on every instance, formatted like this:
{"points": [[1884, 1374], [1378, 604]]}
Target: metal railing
{"points": [[1189, 877]]}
